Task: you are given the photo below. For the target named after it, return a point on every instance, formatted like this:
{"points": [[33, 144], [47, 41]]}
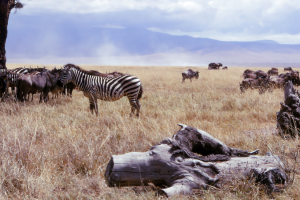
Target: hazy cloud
{"points": [[218, 19]]}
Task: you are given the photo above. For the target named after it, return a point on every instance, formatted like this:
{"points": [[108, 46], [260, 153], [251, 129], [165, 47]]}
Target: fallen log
{"points": [[174, 164], [288, 118]]}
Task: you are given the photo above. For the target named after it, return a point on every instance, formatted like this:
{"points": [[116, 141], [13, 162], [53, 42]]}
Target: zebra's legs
{"points": [[138, 105], [135, 104], [93, 105]]}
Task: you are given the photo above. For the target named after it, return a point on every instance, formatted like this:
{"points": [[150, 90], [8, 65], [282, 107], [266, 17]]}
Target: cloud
{"points": [[218, 19]]}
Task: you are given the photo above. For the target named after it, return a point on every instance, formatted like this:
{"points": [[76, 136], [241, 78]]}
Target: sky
{"points": [[225, 20]]}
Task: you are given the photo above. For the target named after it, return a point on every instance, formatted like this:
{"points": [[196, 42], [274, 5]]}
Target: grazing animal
{"points": [[273, 72], [68, 89], [41, 83], [225, 67], [190, 140], [214, 66], [189, 74], [254, 74], [247, 71], [262, 84], [277, 82], [287, 69], [96, 87], [17, 72]]}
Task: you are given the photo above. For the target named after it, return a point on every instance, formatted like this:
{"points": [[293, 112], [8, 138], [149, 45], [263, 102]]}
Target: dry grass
{"points": [[60, 150]]}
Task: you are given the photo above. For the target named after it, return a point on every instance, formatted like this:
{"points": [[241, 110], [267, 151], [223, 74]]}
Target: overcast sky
{"points": [[226, 20]]}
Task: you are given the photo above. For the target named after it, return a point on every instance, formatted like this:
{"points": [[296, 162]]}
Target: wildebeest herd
{"points": [[115, 85], [32, 81], [267, 81], [216, 66]]}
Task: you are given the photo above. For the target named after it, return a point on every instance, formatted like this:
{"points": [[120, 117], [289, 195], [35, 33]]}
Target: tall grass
{"points": [[59, 150]]}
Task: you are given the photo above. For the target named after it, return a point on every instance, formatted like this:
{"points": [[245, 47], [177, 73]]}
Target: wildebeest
{"points": [[262, 84], [13, 75], [287, 69], [214, 66], [273, 72], [68, 89], [189, 74], [280, 80], [254, 74], [248, 71], [41, 83], [277, 82], [225, 67]]}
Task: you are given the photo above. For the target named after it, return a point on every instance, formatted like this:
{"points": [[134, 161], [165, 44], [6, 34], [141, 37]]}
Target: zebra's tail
{"points": [[140, 92]]}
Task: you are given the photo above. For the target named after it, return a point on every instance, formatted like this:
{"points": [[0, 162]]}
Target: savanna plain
{"points": [[60, 150]]}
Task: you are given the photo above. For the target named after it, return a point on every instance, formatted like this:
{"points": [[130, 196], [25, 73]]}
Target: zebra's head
{"points": [[65, 76]]}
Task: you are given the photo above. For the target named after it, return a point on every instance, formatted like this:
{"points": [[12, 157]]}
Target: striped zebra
{"points": [[104, 87]]}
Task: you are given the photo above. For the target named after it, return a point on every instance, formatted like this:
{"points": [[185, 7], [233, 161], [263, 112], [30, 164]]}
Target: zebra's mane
{"points": [[93, 72]]}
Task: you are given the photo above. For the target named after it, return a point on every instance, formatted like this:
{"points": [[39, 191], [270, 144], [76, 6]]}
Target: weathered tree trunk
{"points": [[5, 7], [165, 165], [289, 114]]}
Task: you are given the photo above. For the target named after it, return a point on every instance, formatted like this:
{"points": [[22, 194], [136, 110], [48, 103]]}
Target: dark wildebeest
{"points": [[189, 74], [247, 71], [214, 66], [291, 75], [273, 72], [262, 84], [15, 73], [276, 69], [41, 83], [68, 89], [58, 87], [287, 69], [254, 74], [261, 74], [225, 67], [277, 82]]}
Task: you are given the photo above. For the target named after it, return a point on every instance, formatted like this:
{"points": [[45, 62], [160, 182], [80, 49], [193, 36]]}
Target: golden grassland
{"points": [[60, 150]]}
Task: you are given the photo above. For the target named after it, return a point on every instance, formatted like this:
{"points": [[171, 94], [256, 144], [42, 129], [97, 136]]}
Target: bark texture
{"points": [[289, 114], [171, 164], [5, 8]]}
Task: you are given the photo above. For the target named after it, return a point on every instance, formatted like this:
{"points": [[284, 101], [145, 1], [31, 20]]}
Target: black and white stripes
{"points": [[107, 87]]}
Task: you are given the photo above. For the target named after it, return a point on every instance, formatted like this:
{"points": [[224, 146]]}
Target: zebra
{"points": [[104, 87]]}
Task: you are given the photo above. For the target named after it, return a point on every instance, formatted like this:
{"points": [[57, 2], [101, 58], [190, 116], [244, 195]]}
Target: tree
{"points": [[5, 7]]}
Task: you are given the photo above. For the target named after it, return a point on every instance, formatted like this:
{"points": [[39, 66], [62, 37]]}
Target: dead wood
{"points": [[174, 163], [289, 114]]}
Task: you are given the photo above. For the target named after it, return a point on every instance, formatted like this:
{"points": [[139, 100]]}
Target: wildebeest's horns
{"points": [[182, 126]]}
